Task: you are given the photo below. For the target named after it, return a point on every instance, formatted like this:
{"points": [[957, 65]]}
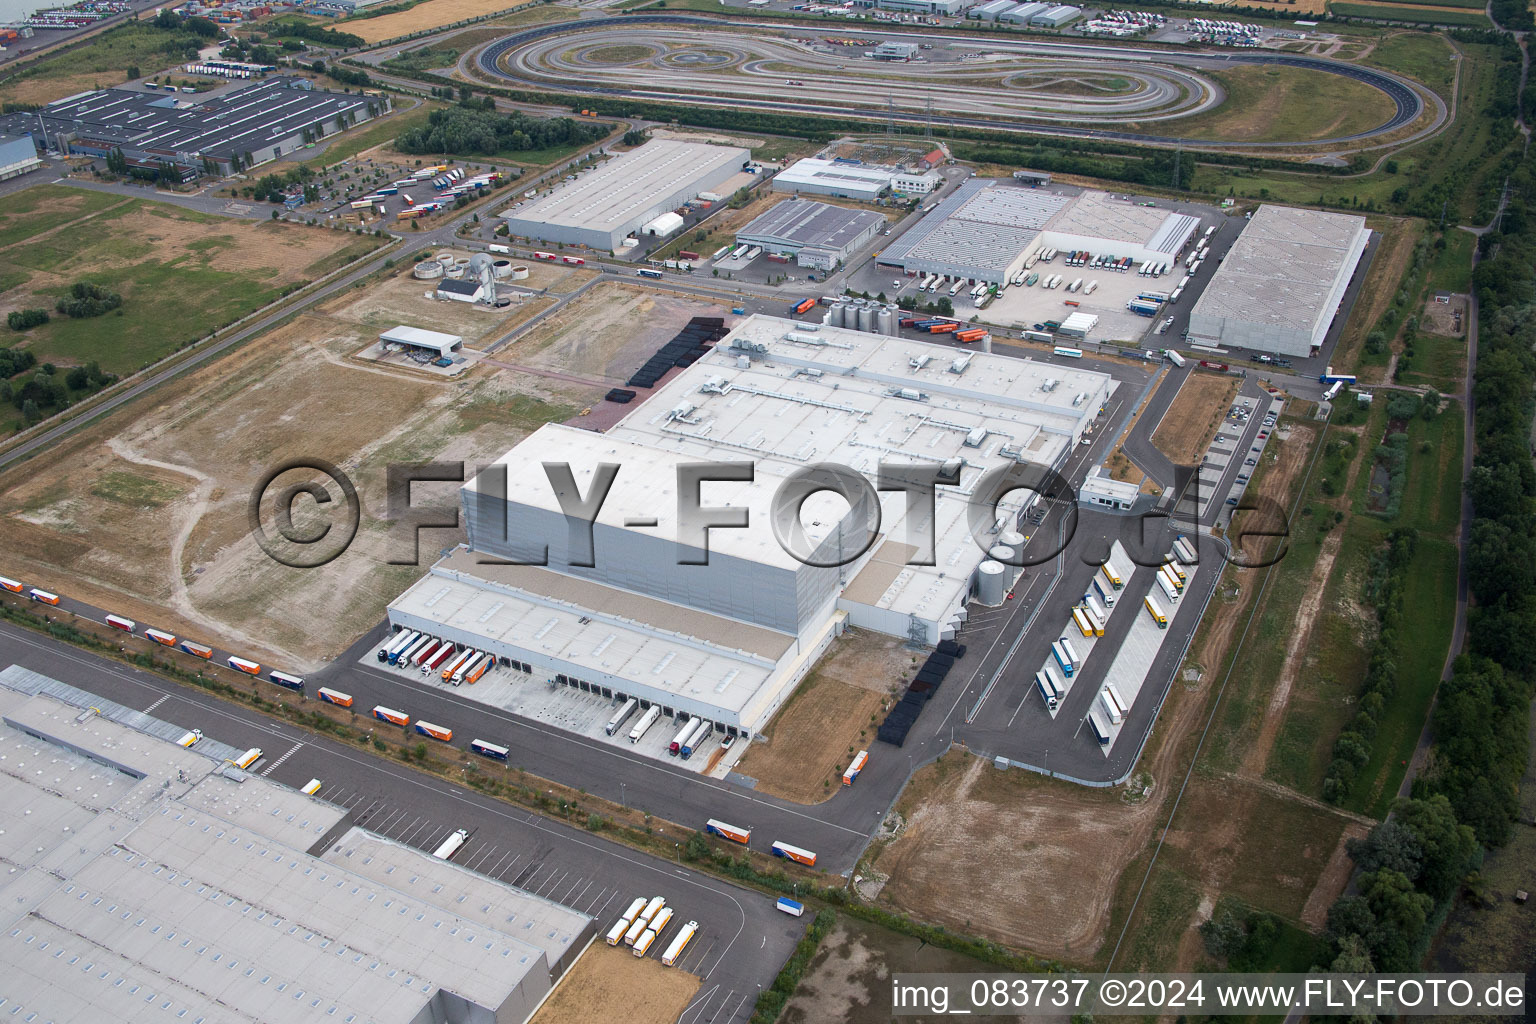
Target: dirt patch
{"points": [[611, 983], [607, 333], [1015, 857], [848, 980], [424, 16], [1296, 651], [1332, 880], [144, 511], [830, 717], [1191, 421], [1444, 318]]}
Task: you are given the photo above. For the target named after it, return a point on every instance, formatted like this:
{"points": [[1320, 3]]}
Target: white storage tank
{"points": [[502, 268], [428, 270], [991, 582], [866, 318], [445, 258], [1001, 553], [885, 320], [838, 314], [1012, 538], [519, 273]]}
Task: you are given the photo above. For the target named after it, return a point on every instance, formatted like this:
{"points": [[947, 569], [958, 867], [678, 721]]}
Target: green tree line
{"points": [[469, 130]]}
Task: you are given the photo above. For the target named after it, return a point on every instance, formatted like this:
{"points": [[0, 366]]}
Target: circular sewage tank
{"points": [[454, 272], [461, 262], [428, 270], [502, 268], [445, 258], [519, 273]]}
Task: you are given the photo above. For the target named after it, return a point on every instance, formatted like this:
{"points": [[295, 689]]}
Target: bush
{"points": [[26, 319], [88, 300]]}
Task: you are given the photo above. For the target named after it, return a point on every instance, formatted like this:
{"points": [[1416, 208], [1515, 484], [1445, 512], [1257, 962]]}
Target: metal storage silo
{"points": [[838, 316], [885, 320], [866, 317], [1001, 553], [1012, 538], [990, 583]]}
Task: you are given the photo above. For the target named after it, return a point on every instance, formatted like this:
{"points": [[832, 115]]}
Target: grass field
{"points": [[1393, 11], [181, 273], [1424, 56], [101, 63], [374, 133], [1282, 104], [1459, 156], [1197, 410], [1471, 5]]}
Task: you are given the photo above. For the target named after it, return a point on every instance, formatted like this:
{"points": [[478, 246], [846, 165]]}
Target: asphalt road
{"points": [[742, 941]]}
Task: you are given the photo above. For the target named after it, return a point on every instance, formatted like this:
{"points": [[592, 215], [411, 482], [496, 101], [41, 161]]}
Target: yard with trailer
{"points": [[611, 983], [145, 510]]}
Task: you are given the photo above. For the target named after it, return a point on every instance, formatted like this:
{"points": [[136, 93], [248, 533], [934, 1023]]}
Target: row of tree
{"points": [[470, 129], [1415, 863]]}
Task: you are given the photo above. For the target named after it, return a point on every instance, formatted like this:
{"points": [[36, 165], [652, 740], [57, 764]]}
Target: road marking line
{"points": [[157, 703], [274, 765]]}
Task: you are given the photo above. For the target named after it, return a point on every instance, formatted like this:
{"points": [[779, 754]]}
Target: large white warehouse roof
{"points": [[1282, 281], [150, 880]]}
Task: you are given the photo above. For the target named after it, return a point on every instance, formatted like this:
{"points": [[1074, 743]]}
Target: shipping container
{"points": [[731, 832], [1063, 659], [859, 761], [284, 679], [644, 725], [697, 739], [248, 758], [491, 750], [687, 729], [794, 853], [1069, 353], [450, 846], [625, 710], [330, 696], [791, 907], [1048, 691], [1100, 730], [436, 732], [391, 716]]}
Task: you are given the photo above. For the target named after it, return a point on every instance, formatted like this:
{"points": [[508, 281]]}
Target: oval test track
{"points": [[1408, 103]]}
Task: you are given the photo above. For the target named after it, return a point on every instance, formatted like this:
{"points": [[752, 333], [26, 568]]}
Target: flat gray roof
{"points": [[802, 222], [1284, 268], [983, 227], [152, 881], [609, 196]]}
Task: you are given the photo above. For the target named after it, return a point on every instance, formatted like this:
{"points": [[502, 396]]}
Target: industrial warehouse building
{"points": [[219, 134], [1021, 13], [622, 196], [439, 344], [811, 176], [816, 234], [730, 639], [17, 156], [1055, 17], [949, 8], [1281, 283], [150, 880], [986, 229]]}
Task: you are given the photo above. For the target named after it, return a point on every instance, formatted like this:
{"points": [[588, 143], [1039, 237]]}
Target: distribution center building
{"points": [[1281, 283], [830, 178], [148, 879], [618, 198], [644, 612], [247, 126], [816, 234], [986, 229]]}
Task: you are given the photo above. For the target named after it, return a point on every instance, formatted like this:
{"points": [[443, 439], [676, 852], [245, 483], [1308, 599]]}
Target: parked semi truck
{"points": [[698, 738], [1175, 358], [644, 725]]}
